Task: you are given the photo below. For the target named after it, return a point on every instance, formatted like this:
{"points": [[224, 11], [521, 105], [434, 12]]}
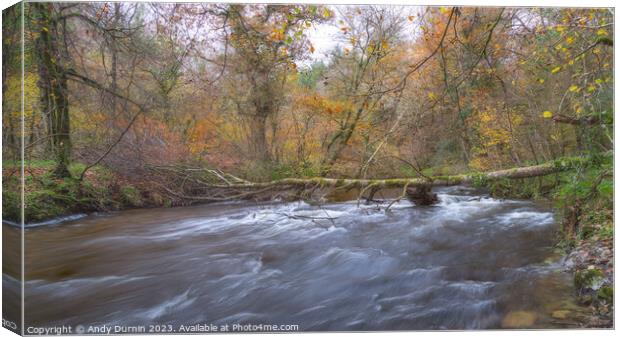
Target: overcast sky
{"points": [[325, 37]]}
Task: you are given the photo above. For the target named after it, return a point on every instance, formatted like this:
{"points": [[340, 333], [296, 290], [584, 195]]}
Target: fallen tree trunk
{"points": [[303, 188], [514, 173]]}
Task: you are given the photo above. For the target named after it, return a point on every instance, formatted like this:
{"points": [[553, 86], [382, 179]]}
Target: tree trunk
{"points": [[114, 52], [53, 87], [258, 146], [339, 142], [417, 189], [10, 50], [465, 179], [262, 100]]}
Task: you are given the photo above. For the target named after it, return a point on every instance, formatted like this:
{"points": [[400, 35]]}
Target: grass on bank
{"points": [[48, 197]]}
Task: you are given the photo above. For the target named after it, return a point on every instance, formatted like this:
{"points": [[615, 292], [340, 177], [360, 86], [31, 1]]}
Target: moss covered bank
{"points": [[47, 197]]}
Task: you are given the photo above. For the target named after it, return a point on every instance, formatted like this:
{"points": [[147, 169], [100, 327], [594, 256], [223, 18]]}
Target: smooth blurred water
{"points": [[465, 263]]}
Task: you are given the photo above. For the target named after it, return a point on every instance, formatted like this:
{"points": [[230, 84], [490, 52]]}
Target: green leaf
{"points": [[606, 188]]}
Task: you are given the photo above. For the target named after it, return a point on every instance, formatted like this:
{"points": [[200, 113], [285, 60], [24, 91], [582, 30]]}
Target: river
{"points": [[468, 262]]}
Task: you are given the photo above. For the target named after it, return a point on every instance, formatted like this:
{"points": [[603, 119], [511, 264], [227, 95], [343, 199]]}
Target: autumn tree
{"points": [[11, 47], [242, 87], [266, 40], [51, 59], [361, 71], [56, 30]]}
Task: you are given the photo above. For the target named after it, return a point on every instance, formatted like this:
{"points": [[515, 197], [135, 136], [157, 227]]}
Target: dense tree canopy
{"points": [[240, 88]]}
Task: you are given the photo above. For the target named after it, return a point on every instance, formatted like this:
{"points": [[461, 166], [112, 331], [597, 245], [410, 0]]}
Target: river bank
{"points": [[591, 263], [48, 198], [584, 205]]}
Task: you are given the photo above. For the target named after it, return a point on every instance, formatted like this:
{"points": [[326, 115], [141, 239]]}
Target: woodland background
{"points": [[122, 97]]}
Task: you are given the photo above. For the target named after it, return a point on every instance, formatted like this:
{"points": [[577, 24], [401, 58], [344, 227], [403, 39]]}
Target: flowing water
{"points": [[469, 262]]}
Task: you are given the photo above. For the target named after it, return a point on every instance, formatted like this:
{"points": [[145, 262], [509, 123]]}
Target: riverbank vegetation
{"points": [[50, 197], [138, 104]]}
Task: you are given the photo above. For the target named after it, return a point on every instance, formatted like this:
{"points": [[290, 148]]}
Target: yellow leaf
{"points": [[573, 88], [579, 110], [556, 69], [571, 62], [444, 10], [560, 28], [570, 40], [384, 44], [598, 81], [591, 88], [601, 32], [326, 13], [431, 95], [547, 114], [541, 80]]}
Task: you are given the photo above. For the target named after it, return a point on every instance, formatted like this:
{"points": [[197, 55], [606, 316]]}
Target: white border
{"points": [[492, 3]]}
